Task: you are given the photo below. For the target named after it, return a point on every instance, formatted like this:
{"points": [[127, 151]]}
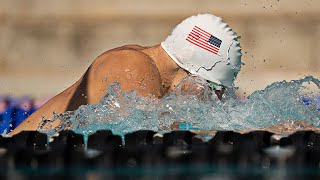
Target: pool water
{"points": [[197, 108]]}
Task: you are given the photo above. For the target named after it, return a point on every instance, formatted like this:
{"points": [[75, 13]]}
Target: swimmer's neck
{"points": [[167, 68]]}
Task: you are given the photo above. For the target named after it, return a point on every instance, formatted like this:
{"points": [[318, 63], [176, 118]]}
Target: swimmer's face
{"points": [[190, 86], [218, 89], [192, 89], [219, 93]]}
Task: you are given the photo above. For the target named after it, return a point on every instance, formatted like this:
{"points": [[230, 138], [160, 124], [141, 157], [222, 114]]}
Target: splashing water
{"points": [[194, 103]]}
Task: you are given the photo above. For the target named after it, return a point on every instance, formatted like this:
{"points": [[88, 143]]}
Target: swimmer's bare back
{"points": [[134, 67]]}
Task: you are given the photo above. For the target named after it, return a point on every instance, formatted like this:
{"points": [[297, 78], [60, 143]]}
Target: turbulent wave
{"points": [[193, 102]]}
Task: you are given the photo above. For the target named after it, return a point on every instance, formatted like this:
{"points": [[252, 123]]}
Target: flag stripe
{"points": [[205, 35], [203, 44], [203, 47], [204, 41], [196, 27], [216, 41]]}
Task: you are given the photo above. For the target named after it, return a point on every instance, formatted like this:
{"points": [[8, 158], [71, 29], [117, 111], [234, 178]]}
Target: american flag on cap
{"points": [[204, 40]]}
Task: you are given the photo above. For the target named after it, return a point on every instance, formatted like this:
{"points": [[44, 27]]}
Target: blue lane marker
{"points": [[187, 126]]}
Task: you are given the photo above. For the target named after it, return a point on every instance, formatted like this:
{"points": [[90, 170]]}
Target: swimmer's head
{"points": [[205, 46]]}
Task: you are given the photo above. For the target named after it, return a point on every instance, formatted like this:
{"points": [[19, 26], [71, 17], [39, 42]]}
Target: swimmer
{"points": [[201, 45]]}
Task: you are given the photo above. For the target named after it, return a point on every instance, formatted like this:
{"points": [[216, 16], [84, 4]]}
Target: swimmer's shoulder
{"points": [[126, 58], [129, 66], [132, 55], [133, 47], [124, 49]]}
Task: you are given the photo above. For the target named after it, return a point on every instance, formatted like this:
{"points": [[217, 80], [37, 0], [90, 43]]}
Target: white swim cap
{"points": [[205, 46]]}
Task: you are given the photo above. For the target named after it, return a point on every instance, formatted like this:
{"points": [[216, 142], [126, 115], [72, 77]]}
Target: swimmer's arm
{"points": [[57, 104]]}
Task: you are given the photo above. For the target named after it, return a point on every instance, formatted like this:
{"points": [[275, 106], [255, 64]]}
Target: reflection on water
{"points": [[194, 103]]}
